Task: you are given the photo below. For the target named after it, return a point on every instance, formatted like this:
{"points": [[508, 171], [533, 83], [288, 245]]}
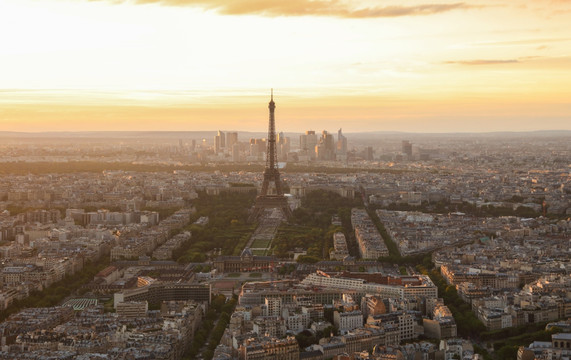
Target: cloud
{"points": [[551, 63], [523, 42], [335, 8], [482, 62], [513, 43]]}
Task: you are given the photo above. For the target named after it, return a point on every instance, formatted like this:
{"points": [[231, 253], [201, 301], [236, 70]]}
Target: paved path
{"points": [[267, 229]]}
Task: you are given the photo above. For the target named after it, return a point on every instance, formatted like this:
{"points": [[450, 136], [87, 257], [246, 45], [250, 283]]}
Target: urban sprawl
{"points": [[399, 246]]}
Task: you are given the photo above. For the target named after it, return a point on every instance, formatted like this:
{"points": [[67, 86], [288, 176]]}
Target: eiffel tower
{"points": [[271, 174]]}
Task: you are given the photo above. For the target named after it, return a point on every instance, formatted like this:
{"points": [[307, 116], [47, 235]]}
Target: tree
{"points": [[305, 338], [306, 259], [330, 330]]}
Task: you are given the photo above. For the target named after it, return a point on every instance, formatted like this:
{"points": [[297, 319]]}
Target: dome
{"points": [[246, 252]]}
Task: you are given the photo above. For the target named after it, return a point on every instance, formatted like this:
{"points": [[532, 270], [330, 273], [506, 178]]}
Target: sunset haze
{"points": [[418, 66]]}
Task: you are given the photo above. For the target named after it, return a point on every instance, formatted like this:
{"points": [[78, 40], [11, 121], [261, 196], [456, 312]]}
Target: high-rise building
{"points": [[231, 139], [302, 142], [368, 153], [329, 140], [236, 152], [283, 146], [326, 147], [217, 146], [222, 139], [407, 148], [341, 143], [307, 143], [257, 147]]}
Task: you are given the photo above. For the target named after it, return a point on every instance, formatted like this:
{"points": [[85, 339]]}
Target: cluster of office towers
{"points": [[311, 146], [323, 148], [227, 142]]}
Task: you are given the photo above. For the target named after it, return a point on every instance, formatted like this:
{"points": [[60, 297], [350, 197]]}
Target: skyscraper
{"points": [[407, 148], [217, 144], [236, 152], [222, 139], [283, 146], [326, 147], [307, 142], [368, 154], [341, 149], [231, 139], [341, 143]]}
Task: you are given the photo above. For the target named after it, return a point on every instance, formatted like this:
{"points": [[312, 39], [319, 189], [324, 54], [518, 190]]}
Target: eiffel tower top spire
{"points": [[272, 154]]}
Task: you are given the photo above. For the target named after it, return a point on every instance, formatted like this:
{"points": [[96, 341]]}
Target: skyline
{"points": [[194, 65]]}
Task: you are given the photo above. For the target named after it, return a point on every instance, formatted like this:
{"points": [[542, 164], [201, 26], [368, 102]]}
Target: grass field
{"points": [[261, 243]]}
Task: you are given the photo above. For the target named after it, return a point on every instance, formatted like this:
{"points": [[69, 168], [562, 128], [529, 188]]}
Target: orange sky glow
{"points": [[409, 65]]}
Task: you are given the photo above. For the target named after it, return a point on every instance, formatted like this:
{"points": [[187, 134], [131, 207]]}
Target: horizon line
{"points": [[5, 132]]}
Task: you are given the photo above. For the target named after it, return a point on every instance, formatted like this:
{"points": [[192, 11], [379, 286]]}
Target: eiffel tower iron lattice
{"points": [[271, 175]]}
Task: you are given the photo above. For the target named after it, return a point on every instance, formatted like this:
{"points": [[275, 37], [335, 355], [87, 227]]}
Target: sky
{"points": [[360, 65]]}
